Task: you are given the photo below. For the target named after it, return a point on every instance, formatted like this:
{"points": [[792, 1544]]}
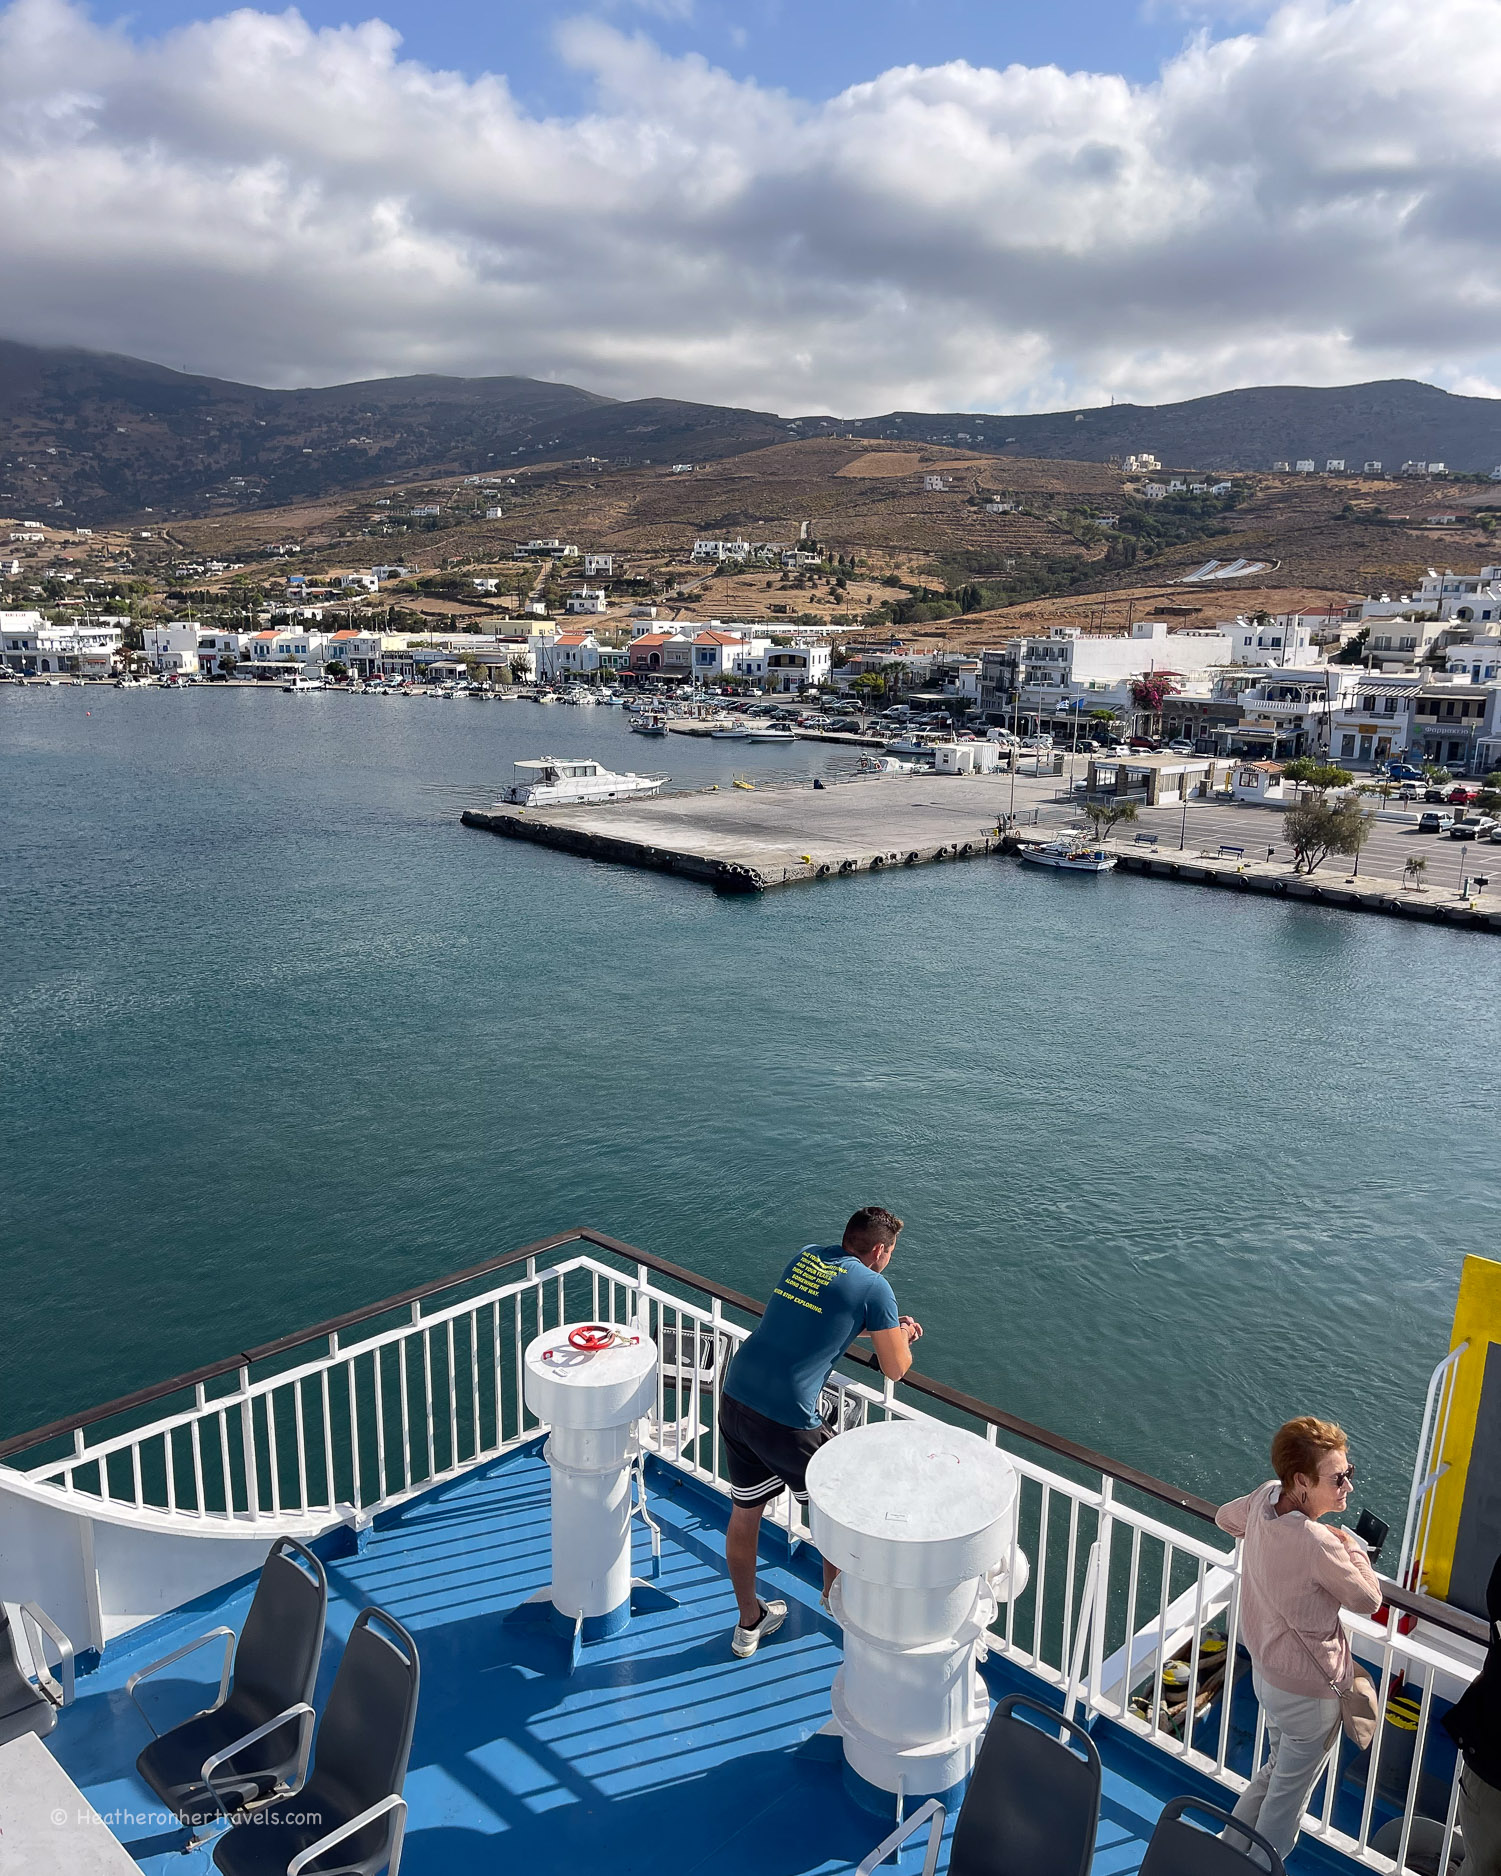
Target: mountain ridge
{"points": [[89, 437]]}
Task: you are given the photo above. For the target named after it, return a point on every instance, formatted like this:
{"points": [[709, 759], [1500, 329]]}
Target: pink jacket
{"points": [[1296, 1577]]}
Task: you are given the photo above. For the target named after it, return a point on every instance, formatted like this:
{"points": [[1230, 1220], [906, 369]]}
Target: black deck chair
{"points": [[1032, 1807], [251, 1746], [29, 1694], [1180, 1849], [350, 1816]]}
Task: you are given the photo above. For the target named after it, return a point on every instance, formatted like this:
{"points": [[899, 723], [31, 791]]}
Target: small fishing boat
{"points": [[563, 781], [770, 736], [1070, 853], [886, 765], [730, 733], [302, 683], [653, 724]]}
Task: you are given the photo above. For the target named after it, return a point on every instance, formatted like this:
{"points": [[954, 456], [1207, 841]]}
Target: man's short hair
{"points": [[872, 1224]]}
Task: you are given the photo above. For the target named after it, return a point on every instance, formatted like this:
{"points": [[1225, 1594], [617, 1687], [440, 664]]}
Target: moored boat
{"points": [[563, 781], [1070, 853]]}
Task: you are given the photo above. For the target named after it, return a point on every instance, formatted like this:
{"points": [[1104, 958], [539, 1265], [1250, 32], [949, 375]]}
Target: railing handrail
{"points": [[1411, 1602]]}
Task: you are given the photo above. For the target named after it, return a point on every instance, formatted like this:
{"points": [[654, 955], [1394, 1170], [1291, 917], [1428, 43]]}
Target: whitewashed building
{"points": [[35, 648], [793, 667]]}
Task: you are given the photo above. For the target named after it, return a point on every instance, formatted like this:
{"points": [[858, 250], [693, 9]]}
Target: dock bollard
{"points": [[920, 1519], [592, 1399]]}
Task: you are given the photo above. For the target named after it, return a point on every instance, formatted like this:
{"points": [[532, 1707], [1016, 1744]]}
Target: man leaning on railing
{"points": [[828, 1296]]}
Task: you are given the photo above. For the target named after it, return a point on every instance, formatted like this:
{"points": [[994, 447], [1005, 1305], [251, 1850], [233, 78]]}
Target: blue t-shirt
{"points": [[825, 1298]]}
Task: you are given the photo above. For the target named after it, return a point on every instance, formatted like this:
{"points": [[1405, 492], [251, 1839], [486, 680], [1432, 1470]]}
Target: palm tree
{"points": [[1414, 871], [1105, 814]]}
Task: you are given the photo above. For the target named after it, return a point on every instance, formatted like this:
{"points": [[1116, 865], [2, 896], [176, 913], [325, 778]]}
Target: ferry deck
{"points": [[653, 1747]]}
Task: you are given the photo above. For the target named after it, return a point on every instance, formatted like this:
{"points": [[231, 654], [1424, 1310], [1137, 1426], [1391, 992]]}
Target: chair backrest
{"points": [[1180, 1849], [365, 1735], [1033, 1804], [276, 1657]]}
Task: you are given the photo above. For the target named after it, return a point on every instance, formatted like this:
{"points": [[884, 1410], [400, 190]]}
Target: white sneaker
{"points": [[747, 1640]]}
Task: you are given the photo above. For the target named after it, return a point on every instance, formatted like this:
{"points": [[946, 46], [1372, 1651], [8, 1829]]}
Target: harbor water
{"points": [[278, 1037]]}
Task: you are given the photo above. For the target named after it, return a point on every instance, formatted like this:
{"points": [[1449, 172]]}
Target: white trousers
{"points": [[1301, 1730]]}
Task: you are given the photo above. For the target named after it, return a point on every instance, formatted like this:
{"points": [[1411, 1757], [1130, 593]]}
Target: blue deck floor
{"points": [[659, 1751]]}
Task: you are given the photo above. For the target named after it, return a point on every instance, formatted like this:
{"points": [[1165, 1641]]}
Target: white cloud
{"points": [[1314, 201]]}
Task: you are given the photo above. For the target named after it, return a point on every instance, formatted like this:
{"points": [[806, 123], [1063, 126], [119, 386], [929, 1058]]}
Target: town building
{"points": [[599, 566], [1261, 783], [798, 667], [589, 599], [1375, 723], [35, 648], [1155, 780], [666, 654], [718, 551], [1066, 671], [1452, 719], [568, 654], [278, 653]]}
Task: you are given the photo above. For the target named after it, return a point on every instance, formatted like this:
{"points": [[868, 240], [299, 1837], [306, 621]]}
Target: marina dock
{"points": [[750, 840]]}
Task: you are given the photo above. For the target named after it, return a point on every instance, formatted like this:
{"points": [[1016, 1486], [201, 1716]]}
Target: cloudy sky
{"points": [[842, 205]]}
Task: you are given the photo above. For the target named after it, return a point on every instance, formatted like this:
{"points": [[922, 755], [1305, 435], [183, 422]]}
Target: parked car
{"points": [[1460, 796], [1145, 742], [1495, 834], [1434, 794], [1409, 791], [1435, 821], [1471, 827], [1404, 772], [1180, 746]]}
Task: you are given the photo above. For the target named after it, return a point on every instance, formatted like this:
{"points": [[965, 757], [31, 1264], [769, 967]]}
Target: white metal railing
{"points": [[1428, 1467], [1122, 1613]]}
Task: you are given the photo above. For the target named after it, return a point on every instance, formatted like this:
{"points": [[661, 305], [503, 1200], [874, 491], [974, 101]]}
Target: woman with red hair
{"points": [[1296, 1576]]}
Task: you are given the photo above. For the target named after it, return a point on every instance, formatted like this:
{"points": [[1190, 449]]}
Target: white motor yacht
{"points": [[563, 781], [772, 734], [302, 683]]}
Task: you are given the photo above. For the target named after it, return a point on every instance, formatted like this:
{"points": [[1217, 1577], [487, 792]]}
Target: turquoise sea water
{"points": [[279, 1037]]}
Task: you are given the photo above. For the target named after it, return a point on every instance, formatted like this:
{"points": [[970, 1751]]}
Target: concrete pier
{"points": [[749, 840], [1431, 905]]}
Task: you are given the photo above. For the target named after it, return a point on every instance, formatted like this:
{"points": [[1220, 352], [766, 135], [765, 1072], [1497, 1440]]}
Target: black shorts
{"points": [[762, 1456]]}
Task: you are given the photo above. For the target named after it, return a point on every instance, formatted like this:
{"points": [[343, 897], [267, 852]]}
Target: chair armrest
{"points": [[301, 1712], [176, 1655], [43, 1624], [314, 1850], [931, 1810]]}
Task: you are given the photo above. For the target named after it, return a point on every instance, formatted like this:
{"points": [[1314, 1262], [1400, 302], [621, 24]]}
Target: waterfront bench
{"points": [[1232, 853], [1146, 840]]}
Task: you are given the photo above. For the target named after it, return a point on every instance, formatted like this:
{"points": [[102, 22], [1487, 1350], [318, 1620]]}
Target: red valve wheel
{"points": [[590, 1337]]}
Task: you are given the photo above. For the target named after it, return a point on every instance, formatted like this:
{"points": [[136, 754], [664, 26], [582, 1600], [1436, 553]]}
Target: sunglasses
{"points": [[1339, 1480]]}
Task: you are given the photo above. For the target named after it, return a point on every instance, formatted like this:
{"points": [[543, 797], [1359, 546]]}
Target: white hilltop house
{"points": [[599, 566], [588, 599]]}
